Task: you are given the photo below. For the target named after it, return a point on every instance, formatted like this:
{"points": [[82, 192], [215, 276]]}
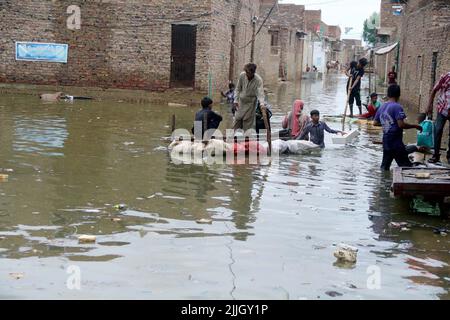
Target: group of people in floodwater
{"points": [[248, 102]]}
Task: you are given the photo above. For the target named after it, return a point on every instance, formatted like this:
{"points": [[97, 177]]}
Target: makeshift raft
{"points": [[366, 122], [431, 183]]}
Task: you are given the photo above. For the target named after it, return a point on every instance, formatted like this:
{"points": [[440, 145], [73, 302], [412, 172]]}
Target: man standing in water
{"points": [[357, 75], [249, 91]]}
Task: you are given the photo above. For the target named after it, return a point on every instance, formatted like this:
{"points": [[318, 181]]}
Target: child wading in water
{"points": [[392, 118], [316, 129]]}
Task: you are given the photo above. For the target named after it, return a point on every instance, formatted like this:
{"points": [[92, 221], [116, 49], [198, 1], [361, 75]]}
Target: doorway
{"points": [[184, 47]]}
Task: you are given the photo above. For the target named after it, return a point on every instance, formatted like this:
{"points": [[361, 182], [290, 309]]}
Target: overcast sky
{"points": [[345, 13]]}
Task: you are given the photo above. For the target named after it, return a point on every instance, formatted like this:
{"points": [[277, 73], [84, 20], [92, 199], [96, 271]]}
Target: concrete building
{"points": [[138, 44], [424, 49], [279, 46]]}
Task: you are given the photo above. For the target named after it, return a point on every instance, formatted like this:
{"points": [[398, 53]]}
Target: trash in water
{"points": [[116, 219], [87, 239], [352, 286], [334, 294], [346, 253], [121, 206], [17, 275], [3, 177], [441, 231], [172, 104], [418, 205], [405, 229], [204, 221], [398, 225]]}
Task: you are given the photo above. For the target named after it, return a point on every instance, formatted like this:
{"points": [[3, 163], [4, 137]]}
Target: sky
{"points": [[345, 13]]}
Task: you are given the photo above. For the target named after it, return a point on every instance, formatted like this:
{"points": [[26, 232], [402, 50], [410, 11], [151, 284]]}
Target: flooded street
{"points": [[274, 227]]}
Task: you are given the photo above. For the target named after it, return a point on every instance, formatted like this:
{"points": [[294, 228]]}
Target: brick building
{"points": [[388, 33], [314, 44], [136, 44], [335, 43], [424, 49], [279, 47], [323, 42], [352, 50]]}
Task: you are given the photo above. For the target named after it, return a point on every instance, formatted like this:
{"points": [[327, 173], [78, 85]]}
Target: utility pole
{"points": [[252, 54]]}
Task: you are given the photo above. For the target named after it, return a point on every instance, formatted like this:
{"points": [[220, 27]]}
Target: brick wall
{"points": [[388, 19], [286, 63], [124, 44], [334, 32], [313, 18], [228, 13], [426, 30], [349, 50]]}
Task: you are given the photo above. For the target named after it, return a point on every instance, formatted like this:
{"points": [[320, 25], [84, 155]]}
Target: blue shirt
{"points": [[316, 132], [388, 115]]}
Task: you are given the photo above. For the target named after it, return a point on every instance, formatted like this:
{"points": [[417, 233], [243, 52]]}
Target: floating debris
{"points": [[171, 104], [398, 225], [333, 294], [346, 253], [17, 275], [121, 206], [4, 177], [204, 221], [116, 219], [87, 239]]}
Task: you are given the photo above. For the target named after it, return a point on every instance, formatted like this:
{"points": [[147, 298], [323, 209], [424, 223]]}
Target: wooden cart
{"points": [[431, 183]]}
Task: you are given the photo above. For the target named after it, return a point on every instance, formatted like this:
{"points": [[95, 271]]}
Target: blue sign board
{"points": [[36, 51]]}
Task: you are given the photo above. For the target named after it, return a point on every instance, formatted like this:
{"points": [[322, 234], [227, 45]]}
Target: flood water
{"points": [[274, 227]]}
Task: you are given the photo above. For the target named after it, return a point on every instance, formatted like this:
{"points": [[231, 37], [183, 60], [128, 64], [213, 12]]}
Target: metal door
{"points": [[184, 45]]}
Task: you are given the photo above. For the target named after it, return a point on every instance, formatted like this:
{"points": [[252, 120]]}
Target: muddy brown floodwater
{"points": [[274, 227]]}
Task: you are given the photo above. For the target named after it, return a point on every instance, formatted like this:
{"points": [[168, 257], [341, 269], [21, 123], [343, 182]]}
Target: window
{"points": [[274, 42], [274, 39]]}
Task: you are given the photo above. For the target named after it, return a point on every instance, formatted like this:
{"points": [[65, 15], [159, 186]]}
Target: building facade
{"points": [[424, 49], [388, 33], [136, 44], [279, 46]]}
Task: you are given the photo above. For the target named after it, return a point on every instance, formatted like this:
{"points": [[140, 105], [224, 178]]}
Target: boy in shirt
{"points": [[391, 117], [316, 129]]}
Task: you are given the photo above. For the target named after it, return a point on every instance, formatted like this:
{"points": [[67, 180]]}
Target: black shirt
{"points": [[213, 119], [355, 74]]}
